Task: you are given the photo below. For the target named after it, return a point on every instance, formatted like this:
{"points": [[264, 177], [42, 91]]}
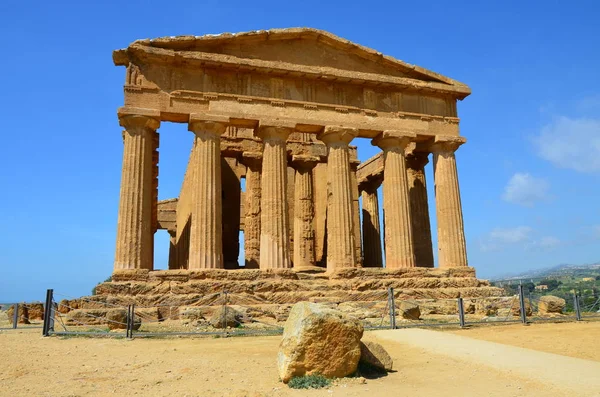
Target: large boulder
{"points": [[409, 311], [318, 340], [23, 314], [225, 317], [516, 308], [550, 304], [373, 355]]}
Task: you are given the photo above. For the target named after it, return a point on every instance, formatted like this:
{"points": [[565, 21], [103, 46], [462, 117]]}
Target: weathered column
{"points": [[134, 225], [355, 212], [341, 250], [206, 245], [371, 228], [304, 235], [452, 250], [173, 250], [419, 209], [253, 162], [274, 229], [399, 251]]}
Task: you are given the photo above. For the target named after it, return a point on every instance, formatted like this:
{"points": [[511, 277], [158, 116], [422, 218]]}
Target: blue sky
{"points": [[529, 173]]}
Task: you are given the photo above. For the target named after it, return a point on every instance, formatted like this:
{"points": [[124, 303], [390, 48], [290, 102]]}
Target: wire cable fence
{"points": [[222, 314]]}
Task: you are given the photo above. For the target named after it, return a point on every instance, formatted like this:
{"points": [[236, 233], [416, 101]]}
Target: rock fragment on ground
{"points": [[409, 311], [374, 356]]}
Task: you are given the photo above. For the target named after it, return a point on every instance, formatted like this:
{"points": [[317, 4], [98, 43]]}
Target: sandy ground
{"points": [[36, 366], [576, 339]]}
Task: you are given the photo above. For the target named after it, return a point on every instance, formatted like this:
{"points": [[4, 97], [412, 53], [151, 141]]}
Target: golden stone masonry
{"points": [[281, 109]]}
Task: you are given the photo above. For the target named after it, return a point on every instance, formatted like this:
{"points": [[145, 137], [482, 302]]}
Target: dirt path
{"points": [[576, 339], [565, 374], [36, 366]]}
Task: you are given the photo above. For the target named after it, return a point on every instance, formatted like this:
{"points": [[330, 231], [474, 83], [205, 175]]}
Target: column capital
{"points": [[337, 135], [136, 123], [204, 123], [445, 144], [304, 162], [393, 139], [371, 184], [274, 130], [251, 159], [417, 160]]}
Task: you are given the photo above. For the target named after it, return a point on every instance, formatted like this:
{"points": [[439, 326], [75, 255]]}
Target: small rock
{"points": [[375, 356]]}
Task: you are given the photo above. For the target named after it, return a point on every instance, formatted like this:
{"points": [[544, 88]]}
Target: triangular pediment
{"points": [[297, 50]]}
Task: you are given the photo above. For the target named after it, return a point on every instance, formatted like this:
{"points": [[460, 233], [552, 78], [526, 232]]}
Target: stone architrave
{"points": [[341, 250], [356, 211], [452, 250], [419, 209], [252, 212], [371, 226], [274, 228], [399, 250], [304, 235], [206, 245], [134, 226]]}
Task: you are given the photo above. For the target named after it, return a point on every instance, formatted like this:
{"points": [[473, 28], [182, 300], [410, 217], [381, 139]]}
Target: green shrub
{"points": [[309, 382], [105, 281]]}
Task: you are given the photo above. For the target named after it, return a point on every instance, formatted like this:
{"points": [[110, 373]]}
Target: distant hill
{"points": [[559, 271]]}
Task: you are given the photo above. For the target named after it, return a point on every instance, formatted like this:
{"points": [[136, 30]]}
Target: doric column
{"points": [[341, 250], [252, 197], [173, 250], [206, 245], [399, 251], [304, 235], [452, 250], [419, 209], [370, 227], [134, 226], [274, 223], [355, 212]]}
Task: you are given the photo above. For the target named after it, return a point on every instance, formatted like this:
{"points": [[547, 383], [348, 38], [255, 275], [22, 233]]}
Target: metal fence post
{"points": [[47, 312], [577, 307], [16, 316], [129, 326], [522, 305], [53, 310], [133, 320], [392, 304], [461, 312]]}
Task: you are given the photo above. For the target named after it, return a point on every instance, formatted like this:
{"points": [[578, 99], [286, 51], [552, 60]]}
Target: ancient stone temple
{"points": [[283, 110]]}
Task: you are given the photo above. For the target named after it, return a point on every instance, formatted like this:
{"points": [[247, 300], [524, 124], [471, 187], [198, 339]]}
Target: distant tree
{"points": [[551, 283], [105, 281], [528, 287], [597, 278]]}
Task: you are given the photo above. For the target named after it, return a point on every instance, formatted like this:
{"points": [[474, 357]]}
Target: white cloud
{"points": [[499, 238], [511, 235], [524, 189], [516, 237], [571, 143], [546, 243]]}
